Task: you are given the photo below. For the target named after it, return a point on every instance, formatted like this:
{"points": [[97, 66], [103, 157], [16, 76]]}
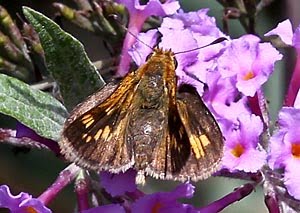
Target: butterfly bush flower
{"points": [[24, 131], [139, 50], [285, 149], [115, 185], [21, 203], [199, 22], [241, 147], [249, 62], [221, 95], [243, 66], [204, 30], [137, 15], [285, 32], [242, 150], [118, 184], [121, 184], [165, 201]]}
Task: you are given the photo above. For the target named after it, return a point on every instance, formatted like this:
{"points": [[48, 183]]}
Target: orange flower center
{"points": [[296, 150], [29, 209], [156, 207], [249, 75], [238, 150]]}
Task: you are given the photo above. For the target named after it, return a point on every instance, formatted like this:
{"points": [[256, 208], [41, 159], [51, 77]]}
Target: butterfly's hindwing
{"points": [[204, 135]]}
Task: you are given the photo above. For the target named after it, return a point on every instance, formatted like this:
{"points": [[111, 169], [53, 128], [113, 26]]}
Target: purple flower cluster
{"points": [[138, 14], [285, 149], [285, 143], [160, 201], [234, 71], [21, 203], [156, 202]]}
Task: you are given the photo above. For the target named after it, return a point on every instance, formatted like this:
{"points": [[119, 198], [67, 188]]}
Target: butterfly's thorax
{"points": [[151, 102], [158, 79]]}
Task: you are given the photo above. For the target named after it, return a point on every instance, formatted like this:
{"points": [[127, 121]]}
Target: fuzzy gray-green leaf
{"points": [[36, 109], [66, 60]]}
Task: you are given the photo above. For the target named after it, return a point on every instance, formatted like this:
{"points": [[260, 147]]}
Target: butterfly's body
{"points": [[145, 123], [150, 108]]}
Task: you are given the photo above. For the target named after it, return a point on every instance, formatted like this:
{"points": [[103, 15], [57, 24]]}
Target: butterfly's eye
{"points": [[175, 63], [149, 56]]}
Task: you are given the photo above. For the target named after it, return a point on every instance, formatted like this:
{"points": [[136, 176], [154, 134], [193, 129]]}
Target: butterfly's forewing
{"points": [[94, 135]]}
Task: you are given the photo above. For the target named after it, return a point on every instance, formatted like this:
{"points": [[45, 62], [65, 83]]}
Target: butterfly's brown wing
{"points": [[170, 155], [204, 137], [94, 138], [193, 146]]}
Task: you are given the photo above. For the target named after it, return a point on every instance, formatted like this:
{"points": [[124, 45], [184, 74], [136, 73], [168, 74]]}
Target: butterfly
{"points": [[148, 123]]}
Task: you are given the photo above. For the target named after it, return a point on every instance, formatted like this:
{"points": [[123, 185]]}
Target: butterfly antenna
{"points": [[217, 41], [128, 31], [147, 45], [205, 86]]}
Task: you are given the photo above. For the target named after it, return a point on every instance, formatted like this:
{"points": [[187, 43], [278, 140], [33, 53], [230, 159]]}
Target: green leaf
{"points": [[66, 60], [36, 109]]}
